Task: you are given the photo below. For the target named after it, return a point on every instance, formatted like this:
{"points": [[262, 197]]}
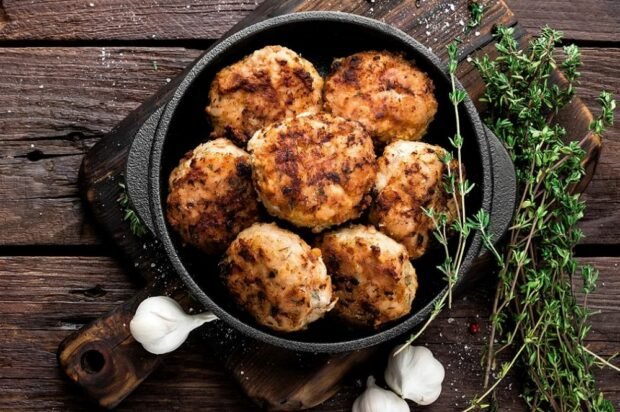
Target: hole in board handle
{"points": [[93, 361]]}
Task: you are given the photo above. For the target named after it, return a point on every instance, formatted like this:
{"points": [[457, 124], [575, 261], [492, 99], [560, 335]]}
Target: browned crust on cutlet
{"points": [[388, 94], [314, 171], [398, 209], [374, 283], [277, 278], [212, 200], [269, 85]]}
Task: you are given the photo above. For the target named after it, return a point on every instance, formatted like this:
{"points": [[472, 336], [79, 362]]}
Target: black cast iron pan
{"points": [[320, 37]]}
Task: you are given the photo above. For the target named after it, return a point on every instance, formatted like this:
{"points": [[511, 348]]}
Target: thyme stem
{"points": [[600, 359], [535, 312], [457, 186]]}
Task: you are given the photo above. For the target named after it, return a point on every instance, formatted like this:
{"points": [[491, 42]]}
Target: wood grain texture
{"points": [[79, 93], [600, 225], [275, 379], [45, 297], [43, 184], [584, 20], [54, 105], [590, 20], [120, 19], [56, 124]]}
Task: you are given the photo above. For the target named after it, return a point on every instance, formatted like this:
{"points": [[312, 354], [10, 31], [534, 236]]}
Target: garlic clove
{"points": [[376, 399], [161, 325], [414, 373]]}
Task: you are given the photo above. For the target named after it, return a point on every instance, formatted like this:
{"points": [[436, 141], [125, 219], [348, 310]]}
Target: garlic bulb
{"points": [[376, 399], [414, 373], [161, 326]]}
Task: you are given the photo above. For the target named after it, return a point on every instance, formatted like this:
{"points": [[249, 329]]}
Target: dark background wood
{"points": [[70, 71]]}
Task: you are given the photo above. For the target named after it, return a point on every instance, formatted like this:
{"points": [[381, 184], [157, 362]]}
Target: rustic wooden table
{"points": [[70, 70]]}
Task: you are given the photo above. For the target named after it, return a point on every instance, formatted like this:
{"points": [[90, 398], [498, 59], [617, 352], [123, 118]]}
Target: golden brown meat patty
{"points": [[269, 85], [410, 177], [315, 171], [390, 96], [211, 198], [277, 278], [373, 278]]}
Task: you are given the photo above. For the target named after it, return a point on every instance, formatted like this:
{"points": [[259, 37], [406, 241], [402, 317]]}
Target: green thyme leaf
{"points": [[129, 215], [536, 312]]}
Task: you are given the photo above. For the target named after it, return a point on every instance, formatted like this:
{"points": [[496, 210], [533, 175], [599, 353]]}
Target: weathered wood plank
{"points": [[165, 389], [54, 221], [79, 92], [591, 20], [119, 19], [585, 20], [54, 105], [56, 124], [42, 298], [600, 225]]}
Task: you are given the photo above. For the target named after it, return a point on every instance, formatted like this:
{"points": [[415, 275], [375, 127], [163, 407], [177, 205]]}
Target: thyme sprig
{"points": [[129, 215], [476, 11], [457, 187], [535, 312]]}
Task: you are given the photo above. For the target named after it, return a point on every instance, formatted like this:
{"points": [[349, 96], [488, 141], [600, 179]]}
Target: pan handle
{"points": [[504, 188], [137, 169]]}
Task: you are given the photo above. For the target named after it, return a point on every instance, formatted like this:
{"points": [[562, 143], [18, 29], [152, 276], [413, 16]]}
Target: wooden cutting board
{"points": [[104, 359]]}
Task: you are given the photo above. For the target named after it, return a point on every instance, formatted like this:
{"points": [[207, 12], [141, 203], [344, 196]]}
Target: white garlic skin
{"points": [[415, 374], [376, 399], [161, 325]]}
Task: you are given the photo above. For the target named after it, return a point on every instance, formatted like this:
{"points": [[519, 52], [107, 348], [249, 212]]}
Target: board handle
{"points": [[104, 359]]}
